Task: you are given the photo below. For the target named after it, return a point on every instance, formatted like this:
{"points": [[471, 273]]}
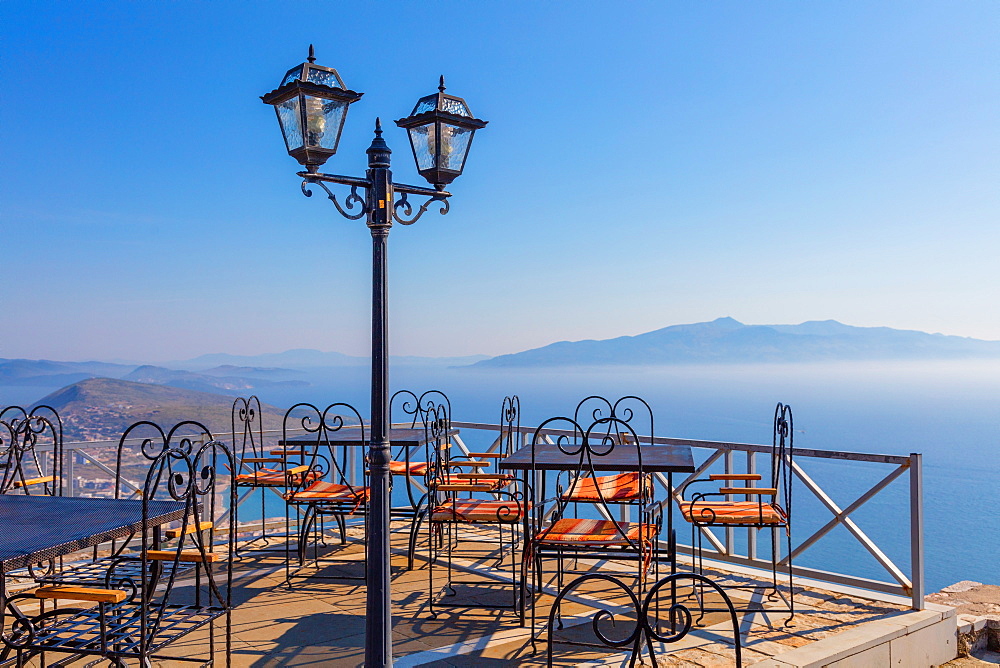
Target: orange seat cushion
{"points": [[733, 512], [474, 510], [411, 468], [620, 487], [322, 490], [572, 531]]}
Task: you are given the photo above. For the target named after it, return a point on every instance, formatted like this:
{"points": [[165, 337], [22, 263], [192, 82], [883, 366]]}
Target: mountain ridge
{"points": [[728, 341]]}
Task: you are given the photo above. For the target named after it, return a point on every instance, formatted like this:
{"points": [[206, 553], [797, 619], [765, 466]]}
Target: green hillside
{"points": [[102, 408]]}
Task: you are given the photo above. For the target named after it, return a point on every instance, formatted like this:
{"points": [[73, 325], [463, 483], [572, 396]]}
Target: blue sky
{"points": [[646, 164]]}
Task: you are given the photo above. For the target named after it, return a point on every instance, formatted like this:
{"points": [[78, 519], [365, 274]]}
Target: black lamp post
{"points": [[311, 105]]}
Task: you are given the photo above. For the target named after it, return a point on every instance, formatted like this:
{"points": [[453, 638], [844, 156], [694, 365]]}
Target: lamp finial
{"points": [[312, 54], [441, 84]]}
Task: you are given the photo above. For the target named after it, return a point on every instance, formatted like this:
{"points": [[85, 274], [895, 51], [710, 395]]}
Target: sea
{"points": [[947, 410]]}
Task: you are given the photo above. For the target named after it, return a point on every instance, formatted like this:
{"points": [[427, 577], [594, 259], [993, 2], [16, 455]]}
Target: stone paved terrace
{"points": [[321, 623]]}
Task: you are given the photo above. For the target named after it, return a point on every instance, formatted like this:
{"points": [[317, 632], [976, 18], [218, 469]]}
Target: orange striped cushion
{"points": [[620, 487], [268, 477], [472, 510], [733, 512], [572, 531], [329, 491], [413, 468]]}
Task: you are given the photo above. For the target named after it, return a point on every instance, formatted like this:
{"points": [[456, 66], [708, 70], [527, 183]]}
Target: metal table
{"points": [[38, 528], [34, 529]]}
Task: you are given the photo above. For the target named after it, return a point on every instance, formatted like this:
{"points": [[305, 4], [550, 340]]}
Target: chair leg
{"points": [[791, 584], [414, 532]]}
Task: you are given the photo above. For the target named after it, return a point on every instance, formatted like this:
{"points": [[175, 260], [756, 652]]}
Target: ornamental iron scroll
{"points": [[352, 200], [403, 211], [31, 451], [647, 629]]}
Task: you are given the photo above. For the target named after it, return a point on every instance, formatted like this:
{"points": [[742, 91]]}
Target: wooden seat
{"points": [[733, 512]]}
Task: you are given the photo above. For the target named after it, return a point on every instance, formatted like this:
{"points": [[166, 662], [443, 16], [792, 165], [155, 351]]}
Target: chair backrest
{"points": [[319, 450], [406, 409], [248, 433], [781, 456], [409, 410], [437, 444], [31, 451], [133, 461], [193, 473], [510, 426]]}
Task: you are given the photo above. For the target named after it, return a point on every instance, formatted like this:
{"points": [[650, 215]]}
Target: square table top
{"points": [[38, 528], [655, 459], [352, 436]]}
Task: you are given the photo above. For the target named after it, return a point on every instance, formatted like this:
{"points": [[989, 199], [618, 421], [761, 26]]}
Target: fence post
{"points": [[70, 471], [730, 458], [917, 529]]}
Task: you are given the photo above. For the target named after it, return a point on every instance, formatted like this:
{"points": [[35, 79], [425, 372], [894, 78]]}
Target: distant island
{"points": [[728, 341]]}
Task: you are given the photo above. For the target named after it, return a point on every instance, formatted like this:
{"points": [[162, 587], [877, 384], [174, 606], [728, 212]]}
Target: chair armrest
{"points": [[288, 452], [464, 488], [734, 476], [81, 594], [488, 455], [263, 460], [33, 481], [170, 534], [750, 491], [472, 462], [481, 476], [296, 470], [187, 557]]}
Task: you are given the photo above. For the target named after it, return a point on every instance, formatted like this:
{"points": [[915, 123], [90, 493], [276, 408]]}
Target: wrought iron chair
{"points": [[507, 442], [322, 486], [763, 508], [141, 610], [612, 429], [648, 628], [256, 463], [31, 451], [134, 463], [452, 503]]}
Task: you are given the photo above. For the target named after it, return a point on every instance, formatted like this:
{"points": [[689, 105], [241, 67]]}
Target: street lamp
{"points": [[311, 104]]}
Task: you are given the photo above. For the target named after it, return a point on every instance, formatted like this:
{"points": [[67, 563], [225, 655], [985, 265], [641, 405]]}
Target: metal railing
{"points": [[725, 549]]}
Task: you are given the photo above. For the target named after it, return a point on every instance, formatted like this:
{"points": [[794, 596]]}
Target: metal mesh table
{"points": [[37, 528]]}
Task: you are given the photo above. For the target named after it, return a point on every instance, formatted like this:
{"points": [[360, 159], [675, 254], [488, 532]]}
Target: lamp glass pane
{"points": [[454, 146], [422, 140], [324, 118], [288, 117], [456, 107], [428, 103], [324, 77], [292, 75]]}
